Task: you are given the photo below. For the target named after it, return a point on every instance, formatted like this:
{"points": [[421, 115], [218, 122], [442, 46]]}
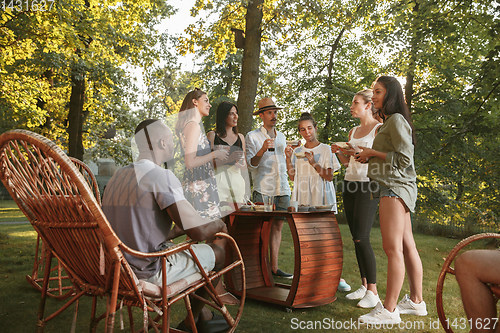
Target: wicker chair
{"points": [[447, 269], [59, 285], [50, 190]]}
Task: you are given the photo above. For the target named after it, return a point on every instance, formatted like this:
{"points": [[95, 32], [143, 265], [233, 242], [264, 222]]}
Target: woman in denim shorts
{"points": [[391, 165]]}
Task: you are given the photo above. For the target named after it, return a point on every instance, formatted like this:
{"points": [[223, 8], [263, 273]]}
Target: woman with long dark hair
{"points": [[230, 181], [391, 165]]}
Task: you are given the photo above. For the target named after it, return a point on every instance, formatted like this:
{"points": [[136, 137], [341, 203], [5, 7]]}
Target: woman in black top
{"points": [[231, 183]]}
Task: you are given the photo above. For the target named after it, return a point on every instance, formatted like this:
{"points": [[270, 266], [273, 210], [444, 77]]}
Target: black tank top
{"points": [[237, 145]]}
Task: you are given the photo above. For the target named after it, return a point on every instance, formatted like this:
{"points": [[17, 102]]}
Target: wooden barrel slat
{"points": [[321, 249], [315, 231]]}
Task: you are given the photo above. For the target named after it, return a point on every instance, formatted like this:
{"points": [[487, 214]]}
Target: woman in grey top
{"points": [[391, 165]]}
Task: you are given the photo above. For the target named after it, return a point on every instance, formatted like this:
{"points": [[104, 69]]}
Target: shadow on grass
{"points": [[19, 301]]}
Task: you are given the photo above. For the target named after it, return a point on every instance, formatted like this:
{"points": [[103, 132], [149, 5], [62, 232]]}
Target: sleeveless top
{"points": [[236, 146], [358, 172], [199, 185], [231, 183]]}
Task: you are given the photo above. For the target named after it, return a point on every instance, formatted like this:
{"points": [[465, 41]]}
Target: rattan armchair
{"points": [[50, 190], [448, 269], [59, 286]]}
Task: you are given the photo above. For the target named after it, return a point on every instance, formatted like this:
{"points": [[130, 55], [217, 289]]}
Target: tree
{"points": [[71, 69], [447, 53]]}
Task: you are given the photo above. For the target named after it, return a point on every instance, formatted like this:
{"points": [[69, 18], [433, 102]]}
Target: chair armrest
{"points": [[167, 252]]}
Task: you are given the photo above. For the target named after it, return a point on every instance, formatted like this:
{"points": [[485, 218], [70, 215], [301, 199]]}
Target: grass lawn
{"points": [[19, 301], [9, 212]]}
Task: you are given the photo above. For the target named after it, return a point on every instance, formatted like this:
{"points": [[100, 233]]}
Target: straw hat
{"points": [[266, 104]]}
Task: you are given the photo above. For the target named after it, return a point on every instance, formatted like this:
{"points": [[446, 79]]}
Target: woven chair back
{"points": [[52, 192], [89, 177]]}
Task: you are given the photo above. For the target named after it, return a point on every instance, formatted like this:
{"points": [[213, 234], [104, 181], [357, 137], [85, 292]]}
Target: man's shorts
{"points": [[182, 264]]}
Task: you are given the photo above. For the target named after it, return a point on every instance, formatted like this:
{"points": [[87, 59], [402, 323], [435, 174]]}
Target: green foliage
{"points": [[315, 56], [41, 51]]}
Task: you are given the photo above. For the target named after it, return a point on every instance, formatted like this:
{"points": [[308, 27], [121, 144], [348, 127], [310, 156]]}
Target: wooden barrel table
{"points": [[317, 250]]}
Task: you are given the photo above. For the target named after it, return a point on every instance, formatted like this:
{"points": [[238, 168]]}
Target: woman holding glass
{"points": [[391, 165], [359, 206], [228, 173], [199, 184]]}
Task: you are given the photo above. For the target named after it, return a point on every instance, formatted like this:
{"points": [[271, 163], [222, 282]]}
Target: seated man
{"points": [[142, 199], [474, 270]]}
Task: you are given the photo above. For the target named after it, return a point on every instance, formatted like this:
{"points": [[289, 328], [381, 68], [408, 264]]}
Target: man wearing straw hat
{"points": [[265, 151]]}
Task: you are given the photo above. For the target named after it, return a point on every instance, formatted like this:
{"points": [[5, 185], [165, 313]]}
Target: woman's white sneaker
{"points": [[380, 315], [369, 301], [358, 294], [406, 306]]}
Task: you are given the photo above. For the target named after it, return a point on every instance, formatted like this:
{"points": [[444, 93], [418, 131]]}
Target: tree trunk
{"points": [[329, 87], [229, 80], [75, 117], [250, 66], [412, 62]]}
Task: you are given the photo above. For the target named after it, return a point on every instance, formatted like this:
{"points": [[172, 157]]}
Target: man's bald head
{"points": [[154, 137]]}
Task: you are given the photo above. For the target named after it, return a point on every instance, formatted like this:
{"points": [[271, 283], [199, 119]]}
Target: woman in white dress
{"points": [[311, 167]]}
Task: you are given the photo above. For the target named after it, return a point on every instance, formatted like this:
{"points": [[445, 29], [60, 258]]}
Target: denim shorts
{"points": [[282, 202], [387, 192]]}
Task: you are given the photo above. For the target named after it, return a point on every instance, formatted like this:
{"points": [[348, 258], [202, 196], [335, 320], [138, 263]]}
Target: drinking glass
{"points": [[268, 202]]}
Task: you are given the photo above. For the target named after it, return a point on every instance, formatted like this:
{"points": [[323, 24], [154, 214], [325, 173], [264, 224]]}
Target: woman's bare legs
{"points": [[400, 248], [412, 262], [392, 214]]}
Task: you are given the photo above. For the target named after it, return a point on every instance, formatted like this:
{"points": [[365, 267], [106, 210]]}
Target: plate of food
{"points": [[303, 208], [343, 145], [259, 208], [324, 207], [293, 142], [245, 207]]}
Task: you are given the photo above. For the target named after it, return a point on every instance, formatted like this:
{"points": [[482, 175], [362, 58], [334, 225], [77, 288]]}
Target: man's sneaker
{"points": [[343, 286], [369, 301], [380, 315], [406, 306], [358, 294], [281, 274]]}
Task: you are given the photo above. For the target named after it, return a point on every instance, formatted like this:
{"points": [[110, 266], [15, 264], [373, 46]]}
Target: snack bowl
{"points": [[303, 208], [300, 154]]}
